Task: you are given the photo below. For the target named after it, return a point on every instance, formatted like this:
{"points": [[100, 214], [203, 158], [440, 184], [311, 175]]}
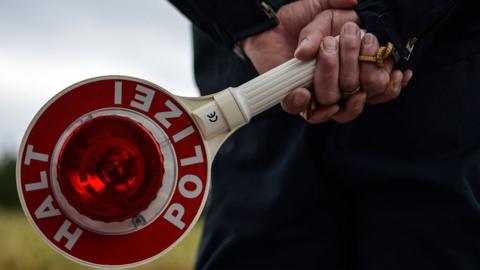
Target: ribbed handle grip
{"points": [[268, 89]]}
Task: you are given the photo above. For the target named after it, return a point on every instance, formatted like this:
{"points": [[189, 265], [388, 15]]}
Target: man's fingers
{"points": [[389, 65], [325, 79], [393, 89], [353, 108], [327, 23], [296, 101], [349, 50], [373, 80], [323, 114], [407, 76]]}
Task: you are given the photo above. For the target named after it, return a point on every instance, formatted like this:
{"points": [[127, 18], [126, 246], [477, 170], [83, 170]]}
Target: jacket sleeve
{"points": [[228, 21], [405, 22]]}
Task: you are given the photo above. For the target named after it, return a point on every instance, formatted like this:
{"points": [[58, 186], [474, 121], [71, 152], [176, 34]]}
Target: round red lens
{"points": [[110, 168]]}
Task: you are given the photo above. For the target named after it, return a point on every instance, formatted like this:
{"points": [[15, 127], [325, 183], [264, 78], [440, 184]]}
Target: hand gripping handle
{"points": [[270, 88], [235, 106]]}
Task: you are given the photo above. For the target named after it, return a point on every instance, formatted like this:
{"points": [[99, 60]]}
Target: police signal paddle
{"points": [[114, 171]]}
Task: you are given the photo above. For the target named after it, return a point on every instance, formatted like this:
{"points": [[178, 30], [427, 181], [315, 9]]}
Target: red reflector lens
{"points": [[110, 168]]}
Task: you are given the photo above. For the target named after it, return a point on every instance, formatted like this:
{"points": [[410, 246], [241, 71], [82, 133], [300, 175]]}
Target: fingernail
{"points": [[350, 29], [297, 100], [368, 40], [301, 45], [329, 44]]}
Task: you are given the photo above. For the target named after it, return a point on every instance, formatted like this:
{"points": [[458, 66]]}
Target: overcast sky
{"points": [[45, 46]]}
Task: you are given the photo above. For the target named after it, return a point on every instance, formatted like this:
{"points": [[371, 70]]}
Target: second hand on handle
{"points": [[234, 107]]}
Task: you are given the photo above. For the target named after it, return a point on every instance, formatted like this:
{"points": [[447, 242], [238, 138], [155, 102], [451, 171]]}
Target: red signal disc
{"points": [[153, 143], [110, 168]]}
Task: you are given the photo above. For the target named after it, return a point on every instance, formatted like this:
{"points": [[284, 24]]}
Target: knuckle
{"points": [[381, 86], [369, 79], [375, 81], [328, 97], [384, 80], [327, 62], [349, 44], [348, 84], [375, 76]]}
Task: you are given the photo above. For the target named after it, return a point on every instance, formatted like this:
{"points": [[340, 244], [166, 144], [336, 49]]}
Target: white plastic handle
{"points": [[270, 88]]}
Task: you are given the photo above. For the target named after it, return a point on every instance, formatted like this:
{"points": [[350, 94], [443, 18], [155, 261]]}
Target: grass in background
{"points": [[21, 248]]}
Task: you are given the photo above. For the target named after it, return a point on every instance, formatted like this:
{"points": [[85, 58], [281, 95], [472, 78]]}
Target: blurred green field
{"points": [[22, 249]]}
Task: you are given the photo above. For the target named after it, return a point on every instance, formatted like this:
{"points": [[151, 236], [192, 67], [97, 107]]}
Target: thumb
{"points": [[327, 23]]}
